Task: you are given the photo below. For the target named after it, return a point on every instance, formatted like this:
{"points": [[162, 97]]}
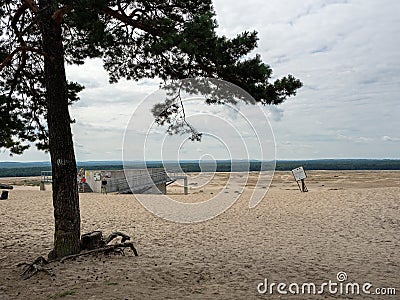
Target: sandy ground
{"points": [[347, 222]]}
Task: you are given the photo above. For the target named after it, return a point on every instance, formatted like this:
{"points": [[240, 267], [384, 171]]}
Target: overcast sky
{"points": [[345, 52]]}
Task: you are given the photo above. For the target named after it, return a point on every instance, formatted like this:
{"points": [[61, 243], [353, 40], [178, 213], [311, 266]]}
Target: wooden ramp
{"points": [[135, 181], [142, 183]]}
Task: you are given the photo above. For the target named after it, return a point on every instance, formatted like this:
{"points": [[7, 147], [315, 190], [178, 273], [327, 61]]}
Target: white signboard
{"points": [[299, 173], [97, 176]]}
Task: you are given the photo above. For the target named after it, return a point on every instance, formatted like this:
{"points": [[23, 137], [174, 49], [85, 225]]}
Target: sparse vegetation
{"points": [[63, 294]]}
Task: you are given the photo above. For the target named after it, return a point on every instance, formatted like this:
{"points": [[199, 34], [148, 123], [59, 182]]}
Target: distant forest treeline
{"points": [[8, 169]]}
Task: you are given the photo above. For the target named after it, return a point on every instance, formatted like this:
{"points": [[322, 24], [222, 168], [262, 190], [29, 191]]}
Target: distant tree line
{"points": [[340, 164], [225, 166]]}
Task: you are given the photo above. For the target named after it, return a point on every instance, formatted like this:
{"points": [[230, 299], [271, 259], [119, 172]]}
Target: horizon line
{"points": [[197, 160]]}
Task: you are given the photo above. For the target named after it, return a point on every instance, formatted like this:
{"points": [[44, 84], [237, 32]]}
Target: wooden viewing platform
{"points": [[151, 181], [45, 177]]}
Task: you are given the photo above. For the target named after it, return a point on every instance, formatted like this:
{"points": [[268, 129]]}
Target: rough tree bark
{"points": [[65, 190]]}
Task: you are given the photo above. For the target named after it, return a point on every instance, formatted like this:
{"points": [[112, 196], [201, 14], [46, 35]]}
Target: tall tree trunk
{"points": [[65, 190]]}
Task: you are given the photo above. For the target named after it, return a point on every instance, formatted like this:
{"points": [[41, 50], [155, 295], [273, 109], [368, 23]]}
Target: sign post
{"points": [[299, 175]]}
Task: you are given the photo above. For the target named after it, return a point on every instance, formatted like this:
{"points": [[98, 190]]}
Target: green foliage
{"points": [[170, 40], [10, 126]]}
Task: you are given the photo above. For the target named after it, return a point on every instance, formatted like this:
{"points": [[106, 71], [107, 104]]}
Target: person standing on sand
{"points": [[80, 175], [83, 183], [104, 185]]}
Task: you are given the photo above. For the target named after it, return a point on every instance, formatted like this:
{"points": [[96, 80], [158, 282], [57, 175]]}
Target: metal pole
{"points": [[185, 185]]}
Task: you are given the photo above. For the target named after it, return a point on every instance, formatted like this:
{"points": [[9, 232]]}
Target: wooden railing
{"points": [[46, 177]]}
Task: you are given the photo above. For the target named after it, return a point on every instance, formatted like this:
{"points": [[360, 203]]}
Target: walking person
{"points": [[104, 185]]}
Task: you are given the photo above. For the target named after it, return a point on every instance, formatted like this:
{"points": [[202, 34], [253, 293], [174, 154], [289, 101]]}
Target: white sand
{"points": [[348, 221]]}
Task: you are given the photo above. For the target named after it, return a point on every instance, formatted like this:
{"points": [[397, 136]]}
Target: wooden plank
{"points": [[6, 186]]}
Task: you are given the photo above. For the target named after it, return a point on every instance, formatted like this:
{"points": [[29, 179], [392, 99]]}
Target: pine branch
{"points": [[58, 16], [21, 49]]}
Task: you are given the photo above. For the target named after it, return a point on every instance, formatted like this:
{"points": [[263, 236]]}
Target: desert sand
{"points": [[347, 222]]}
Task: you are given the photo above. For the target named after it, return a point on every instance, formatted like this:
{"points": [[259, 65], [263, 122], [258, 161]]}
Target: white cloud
{"points": [[390, 139], [357, 139]]}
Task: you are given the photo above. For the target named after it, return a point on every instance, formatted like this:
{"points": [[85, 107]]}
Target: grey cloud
{"points": [[275, 113], [320, 50]]}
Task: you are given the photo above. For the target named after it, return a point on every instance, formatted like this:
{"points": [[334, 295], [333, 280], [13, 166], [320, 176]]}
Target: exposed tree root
{"points": [[116, 248], [116, 234], [93, 242], [38, 265]]}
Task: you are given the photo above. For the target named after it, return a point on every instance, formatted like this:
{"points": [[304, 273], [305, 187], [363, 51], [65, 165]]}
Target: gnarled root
{"points": [[93, 242], [116, 234], [38, 265], [116, 248]]}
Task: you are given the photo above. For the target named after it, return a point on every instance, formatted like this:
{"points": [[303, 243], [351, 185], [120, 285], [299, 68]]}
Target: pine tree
{"points": [[168, 39]]}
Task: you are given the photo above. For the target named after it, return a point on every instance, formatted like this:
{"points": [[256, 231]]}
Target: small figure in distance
{"points": [[83, 183], [104, 185], [79, 177], [81, 173]]}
